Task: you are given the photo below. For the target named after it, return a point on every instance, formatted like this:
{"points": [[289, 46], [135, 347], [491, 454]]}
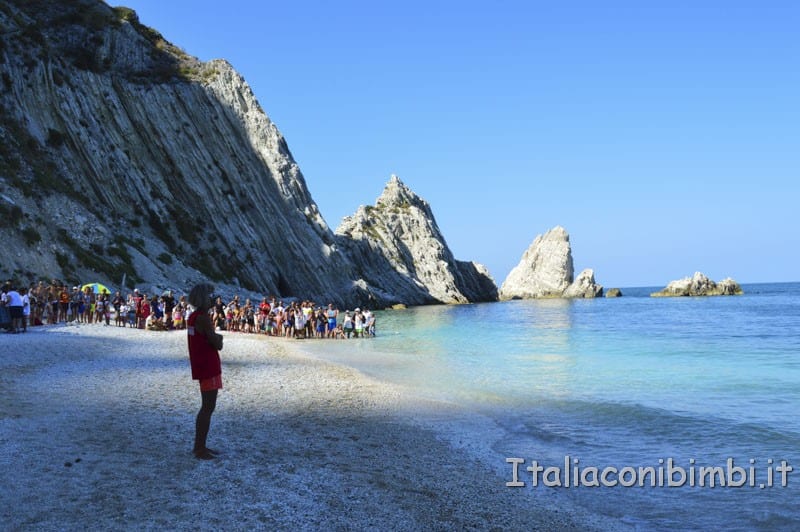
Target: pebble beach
{"points": [[96, 426]]}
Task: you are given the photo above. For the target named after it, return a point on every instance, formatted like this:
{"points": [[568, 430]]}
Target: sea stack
{"points": [[545, 269]]}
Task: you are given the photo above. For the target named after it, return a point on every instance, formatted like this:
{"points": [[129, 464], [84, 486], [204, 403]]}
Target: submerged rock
{"points": [[699, 285]]}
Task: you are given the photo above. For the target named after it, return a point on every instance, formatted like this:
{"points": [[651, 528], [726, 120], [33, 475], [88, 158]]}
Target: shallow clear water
{"points": [[620, 382]]}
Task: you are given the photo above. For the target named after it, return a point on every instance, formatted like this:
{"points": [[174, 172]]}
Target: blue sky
{"points": [[664, 136]]}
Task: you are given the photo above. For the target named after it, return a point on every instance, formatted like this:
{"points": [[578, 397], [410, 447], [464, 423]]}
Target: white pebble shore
{"points": [[97, 422]]}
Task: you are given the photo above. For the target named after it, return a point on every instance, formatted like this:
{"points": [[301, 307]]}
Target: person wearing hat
{"points": [[359, 324]]}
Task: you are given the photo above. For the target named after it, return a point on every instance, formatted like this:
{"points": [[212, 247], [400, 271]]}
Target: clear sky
{"points": [[663, 135]]}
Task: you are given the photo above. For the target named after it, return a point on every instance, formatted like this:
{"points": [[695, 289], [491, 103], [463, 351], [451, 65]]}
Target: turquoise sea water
{"points": [[620, 382]]}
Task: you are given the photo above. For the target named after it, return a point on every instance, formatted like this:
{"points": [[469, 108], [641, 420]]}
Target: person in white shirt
{"points": [[359, 322], [369, 323], [348, 324], [14, 302]]}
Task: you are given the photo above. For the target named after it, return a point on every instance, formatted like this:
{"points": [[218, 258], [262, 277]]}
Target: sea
{"points": [[703, 391]]}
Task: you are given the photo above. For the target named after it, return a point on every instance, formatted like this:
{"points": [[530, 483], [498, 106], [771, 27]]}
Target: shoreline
{"points": [[100, 421]]}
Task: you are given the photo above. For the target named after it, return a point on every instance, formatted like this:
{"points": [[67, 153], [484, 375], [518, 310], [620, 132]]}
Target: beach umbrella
{"points": [[97, 288]]}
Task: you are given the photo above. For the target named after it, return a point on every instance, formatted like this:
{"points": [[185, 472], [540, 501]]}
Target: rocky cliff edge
{"points": [[401, 255], [122, 157]]}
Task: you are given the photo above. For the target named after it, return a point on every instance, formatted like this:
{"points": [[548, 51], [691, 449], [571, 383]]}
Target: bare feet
{"points": [[204, 454]]}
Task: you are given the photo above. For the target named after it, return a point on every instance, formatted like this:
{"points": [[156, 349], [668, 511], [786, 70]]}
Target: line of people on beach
{"points": [[298, 319], [56, 302]]}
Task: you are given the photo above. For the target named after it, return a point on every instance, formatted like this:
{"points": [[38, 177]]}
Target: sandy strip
{"points": [[96, 427]]}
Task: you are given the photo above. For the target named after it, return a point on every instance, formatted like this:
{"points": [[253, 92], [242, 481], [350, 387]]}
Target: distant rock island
{"points": [[699, 285], [546, 271]]}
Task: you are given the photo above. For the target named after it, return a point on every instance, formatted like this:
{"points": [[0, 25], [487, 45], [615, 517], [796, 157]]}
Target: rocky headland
{"points": [[123, 157], [546, 271], [699, 285], [396, 245]]}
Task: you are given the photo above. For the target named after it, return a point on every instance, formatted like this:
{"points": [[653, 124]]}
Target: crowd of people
{"points": [[56, 302], [298, 319]]}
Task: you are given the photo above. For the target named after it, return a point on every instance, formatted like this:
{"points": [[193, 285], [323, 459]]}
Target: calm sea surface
{"points": [[620, 382]]}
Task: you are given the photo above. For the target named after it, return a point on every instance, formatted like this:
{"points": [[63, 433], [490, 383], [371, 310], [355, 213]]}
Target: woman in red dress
{"points": [[204, 347]]}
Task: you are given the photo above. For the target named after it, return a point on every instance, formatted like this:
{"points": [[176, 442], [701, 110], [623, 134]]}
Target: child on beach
{"points": [[131, 316], [204, 347], [338, 333], [177, 317]]}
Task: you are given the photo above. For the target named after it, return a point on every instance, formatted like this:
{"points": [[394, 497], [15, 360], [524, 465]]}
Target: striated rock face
{"points": [[584, 286], [121, 156], [143, 161], [545, 269], [401, 255], [699, 285]]}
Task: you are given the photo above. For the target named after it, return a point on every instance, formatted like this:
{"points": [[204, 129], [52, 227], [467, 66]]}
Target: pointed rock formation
{"points": [[402, 257], [699, 285], [545, 269], [584, 286], [122, 156]]}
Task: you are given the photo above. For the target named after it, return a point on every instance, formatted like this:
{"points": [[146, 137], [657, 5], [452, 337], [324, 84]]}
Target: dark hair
{"points": [[200, 296]]}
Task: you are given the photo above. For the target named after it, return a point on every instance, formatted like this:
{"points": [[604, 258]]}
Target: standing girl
{"points": [[204, 347]]}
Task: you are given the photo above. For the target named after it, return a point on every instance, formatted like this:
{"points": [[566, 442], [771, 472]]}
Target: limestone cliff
{"points": [[401, 255], [121, 155]]}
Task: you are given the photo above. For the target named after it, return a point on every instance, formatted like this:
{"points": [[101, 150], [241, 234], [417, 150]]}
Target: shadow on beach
{"points": [[100, 425]]}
